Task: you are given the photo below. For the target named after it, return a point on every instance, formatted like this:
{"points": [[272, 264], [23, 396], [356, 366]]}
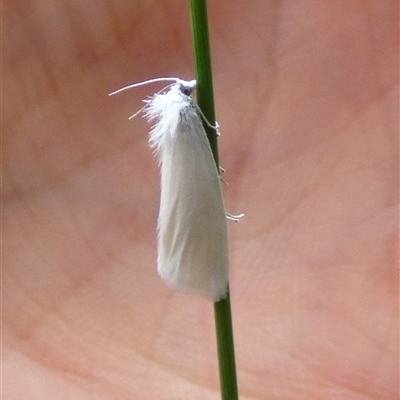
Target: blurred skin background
{"points": [[307, 102]]}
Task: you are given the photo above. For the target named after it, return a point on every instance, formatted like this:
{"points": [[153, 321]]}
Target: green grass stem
{"points": [[205, 99]]}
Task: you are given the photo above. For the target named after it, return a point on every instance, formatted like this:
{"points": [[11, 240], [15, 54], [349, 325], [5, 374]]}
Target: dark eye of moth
{"points": [[186, 90]]}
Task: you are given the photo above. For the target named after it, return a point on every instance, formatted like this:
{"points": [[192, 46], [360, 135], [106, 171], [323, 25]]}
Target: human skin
{"points": [[307, 102]]}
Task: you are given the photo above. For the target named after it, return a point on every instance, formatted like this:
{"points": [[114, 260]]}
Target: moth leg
{"points": [[235, 218], [207, 122], [221, 171], [223, 180], [216, 128]]}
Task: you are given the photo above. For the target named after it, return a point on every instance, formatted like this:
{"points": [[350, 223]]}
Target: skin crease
{"points": [[307, 102]]}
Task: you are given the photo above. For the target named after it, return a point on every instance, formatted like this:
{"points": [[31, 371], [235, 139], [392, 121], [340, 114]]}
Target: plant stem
{"points": [[226, 349], [205, 99]]}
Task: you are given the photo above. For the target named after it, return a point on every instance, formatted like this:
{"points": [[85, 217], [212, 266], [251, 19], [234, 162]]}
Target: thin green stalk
{"points": [[205, 99]]}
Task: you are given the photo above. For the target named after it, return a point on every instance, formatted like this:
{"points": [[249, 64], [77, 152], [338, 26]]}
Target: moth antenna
{"points": [[155, 94], [176, 80], [137, 112]]}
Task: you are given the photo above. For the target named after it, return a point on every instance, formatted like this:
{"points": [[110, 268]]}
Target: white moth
{"points": [[193, 254]]}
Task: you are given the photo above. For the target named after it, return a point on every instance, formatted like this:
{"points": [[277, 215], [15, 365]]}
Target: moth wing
{"points": [[193, 254]]}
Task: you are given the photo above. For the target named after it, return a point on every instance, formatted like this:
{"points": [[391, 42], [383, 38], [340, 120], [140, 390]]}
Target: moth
{"points": [[193, 251]]}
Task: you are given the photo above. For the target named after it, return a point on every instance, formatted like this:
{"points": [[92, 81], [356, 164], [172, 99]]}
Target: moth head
{"points": [[187, 87]]}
